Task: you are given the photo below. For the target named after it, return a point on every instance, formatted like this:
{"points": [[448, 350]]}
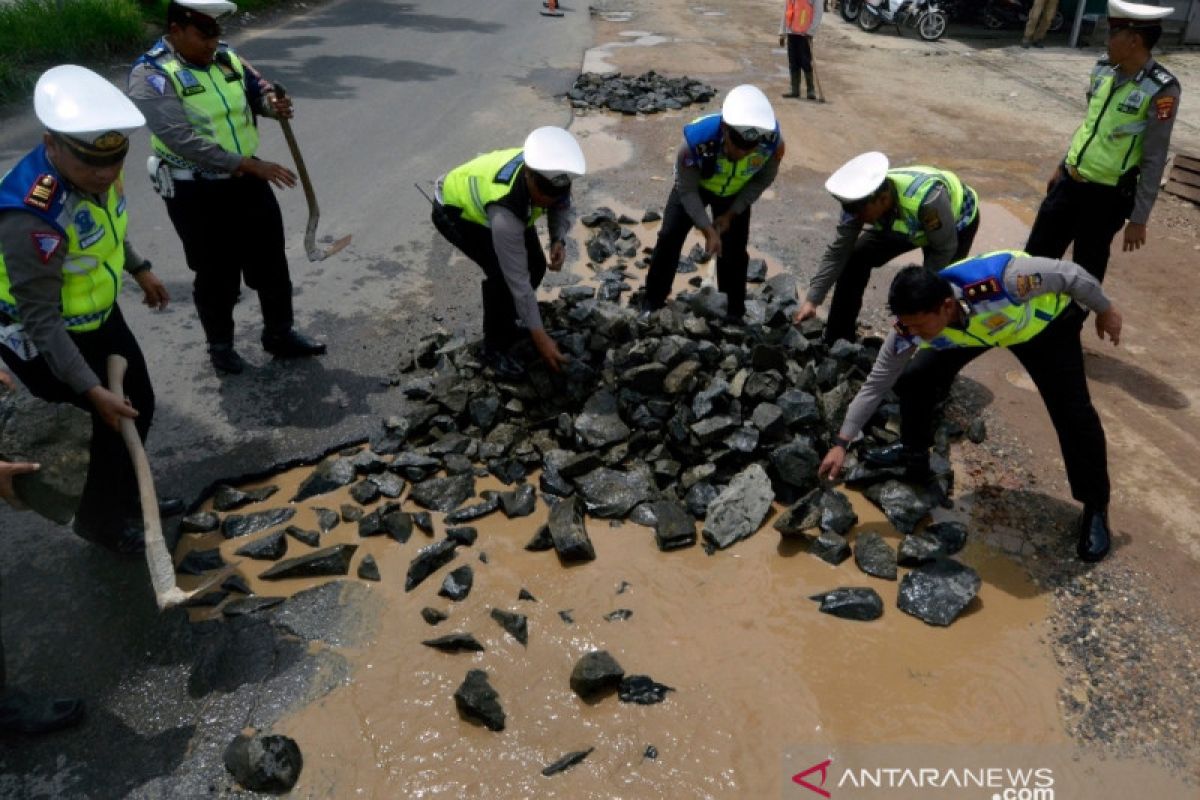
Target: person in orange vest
{"points": [[800, 21]]}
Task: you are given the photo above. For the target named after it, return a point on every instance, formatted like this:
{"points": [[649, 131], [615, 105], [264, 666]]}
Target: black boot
{"points": [[225, 359], [21, 712], [795, 92], [1094, 539], [808, 84], [291, 345]]}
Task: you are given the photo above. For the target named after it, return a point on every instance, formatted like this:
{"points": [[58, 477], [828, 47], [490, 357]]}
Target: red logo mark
{"points": [[821, 768]]}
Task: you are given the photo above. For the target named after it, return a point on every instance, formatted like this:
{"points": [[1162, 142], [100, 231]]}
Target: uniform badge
{"points": [[42, 192], [189, 83], [756, 161], [157, 82], [46, 244], [1028, 283], [985, 289], [85, 223], [996, 322], [1164, 107]]}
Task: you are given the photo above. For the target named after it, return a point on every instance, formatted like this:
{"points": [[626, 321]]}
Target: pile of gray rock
{"points": [[648, 93]]}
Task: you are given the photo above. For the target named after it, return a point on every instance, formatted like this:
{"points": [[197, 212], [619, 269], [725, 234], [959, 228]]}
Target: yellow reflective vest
{"points": [[484, 180], [93, 234], [913, 184]]}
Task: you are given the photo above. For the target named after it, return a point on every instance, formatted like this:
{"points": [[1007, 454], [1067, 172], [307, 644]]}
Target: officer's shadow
{"points": [[1140, 384], [298, 393]]}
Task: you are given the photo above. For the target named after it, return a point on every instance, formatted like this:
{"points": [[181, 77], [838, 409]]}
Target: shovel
{"points": [[162, 570], [314, 212]]}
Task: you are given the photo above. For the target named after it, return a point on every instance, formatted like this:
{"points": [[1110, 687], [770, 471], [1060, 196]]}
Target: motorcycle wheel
{"points": [[868, 21], [992, 21], [1057, 22], [932, 26], [851, 9]]}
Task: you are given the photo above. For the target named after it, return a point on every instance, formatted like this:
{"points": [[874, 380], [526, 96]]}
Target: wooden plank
{"points": [[1191, 163], [1183, 190], [1182, 176]]}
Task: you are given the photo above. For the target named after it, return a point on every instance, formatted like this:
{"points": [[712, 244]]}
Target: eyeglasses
{"points": [[554, 185], [745, 137], [206, 26]]}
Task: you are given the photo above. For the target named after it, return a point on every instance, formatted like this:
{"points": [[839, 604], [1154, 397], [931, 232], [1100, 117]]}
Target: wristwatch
{"points": [[143, 267], [842, 442]]}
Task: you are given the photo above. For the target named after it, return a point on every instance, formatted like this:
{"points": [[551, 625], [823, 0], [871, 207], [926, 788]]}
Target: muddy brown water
{"points": [[756, 668]]}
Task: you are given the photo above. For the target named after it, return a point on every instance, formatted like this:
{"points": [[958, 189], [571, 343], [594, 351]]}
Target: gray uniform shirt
{"points": [[1063, 277], [1155, 142], [508, 239], [37, 288], [687, 185], [943, 243], [165, 116]]}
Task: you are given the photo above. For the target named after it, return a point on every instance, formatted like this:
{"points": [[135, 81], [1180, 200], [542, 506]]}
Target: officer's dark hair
{"points": [[1150, 36], [916, 290], [177, 15]]}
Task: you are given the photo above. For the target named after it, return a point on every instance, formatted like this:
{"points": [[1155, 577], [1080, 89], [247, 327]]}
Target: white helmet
{"points": [[554, 153], [746, 108], [858, 178], [210, 8], [96, 115]]}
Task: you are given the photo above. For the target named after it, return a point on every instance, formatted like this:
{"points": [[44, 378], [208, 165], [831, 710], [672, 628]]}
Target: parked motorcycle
{"points": [[851, 9], [998, 14], [924, 15]]}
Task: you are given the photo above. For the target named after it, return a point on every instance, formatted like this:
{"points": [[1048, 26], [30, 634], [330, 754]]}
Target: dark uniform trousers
{"points": [[731, 264], [1087, 215], [1054, 360], [110, 493], [230, 229], [872, 250], [799, 50], [500, 330]]}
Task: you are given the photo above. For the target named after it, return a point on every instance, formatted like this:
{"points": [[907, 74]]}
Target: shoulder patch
{"points": [[1162, 75], [158, 82], [506, 172], [41, 194], [1028, 282], [930, 220], [46, 243], [986, 289], [903, 344], [1164, 108]]}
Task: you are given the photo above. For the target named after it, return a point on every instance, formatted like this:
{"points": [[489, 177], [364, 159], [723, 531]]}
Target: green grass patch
{"points": [[37, 34]]}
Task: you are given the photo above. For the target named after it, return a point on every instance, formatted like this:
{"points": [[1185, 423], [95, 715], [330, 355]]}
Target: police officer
{"points": [[200, 100], [725, 163], [947, 319], [1115, 162], [902, 209], [63, 257], [488, 208]]}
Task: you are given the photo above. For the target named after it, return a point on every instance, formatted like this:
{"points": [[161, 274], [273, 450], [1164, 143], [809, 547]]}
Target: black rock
{"points": [[457, 585], [830, 547], [478, 701], [699, 498], [525, 595], [517, 625], [641, 689], [327, 477], [368, 570], [200, 522], [310, 538], [951, 535], [874, 556], [674, 528], [520, 502], [903, 505], [443, 494], [595, 674], [455, 643], [372, 524], [367, 462], [796, 463], [739, 510], [542, 540], [365, 492], [599, 425], [428, 561], [351, 513], [424, 521], [398, 525], [432, 616], [264, 763], [271, 547], [328, 561], [851, 603], [565, 616], [566, 762], [197, 562], [250, 605], [236, 583], [568, 532], [650, 752], [977, 430], [612, 494], [236, 525], [465, 535], [938, 592], [489, 504], [620, 615], [207, 600], [227, 498], [651, 216]]}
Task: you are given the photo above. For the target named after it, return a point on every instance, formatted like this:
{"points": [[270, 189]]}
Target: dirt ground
{"points": [[1124, 633]]}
